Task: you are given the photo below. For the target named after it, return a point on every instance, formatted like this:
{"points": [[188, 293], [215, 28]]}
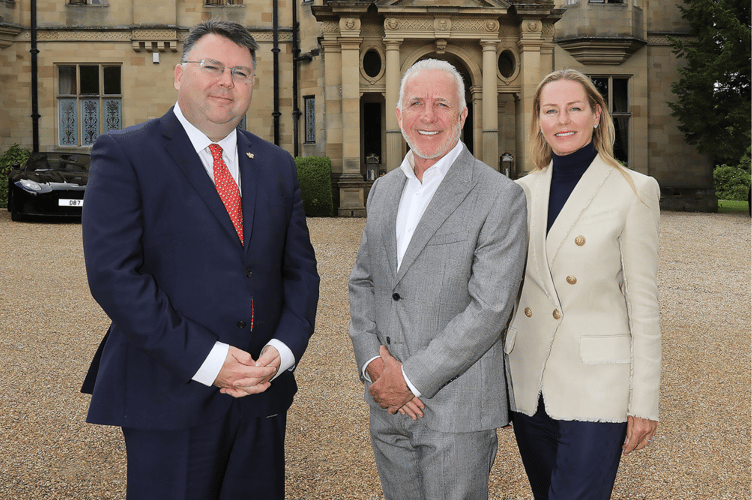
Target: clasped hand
{"points": [[389, 388], [241, 375]]}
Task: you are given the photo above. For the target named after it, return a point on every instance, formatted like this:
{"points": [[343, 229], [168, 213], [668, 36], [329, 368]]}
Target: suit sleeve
{"points": [[498, 263], [300, 279], [112, 228], [639, 250], [362, 304]]}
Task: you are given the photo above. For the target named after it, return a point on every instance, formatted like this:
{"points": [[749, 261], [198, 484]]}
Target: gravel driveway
{"points": [[50, 328]]}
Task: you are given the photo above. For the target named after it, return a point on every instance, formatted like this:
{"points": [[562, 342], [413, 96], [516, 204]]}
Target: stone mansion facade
{"points": [[328, 76]]}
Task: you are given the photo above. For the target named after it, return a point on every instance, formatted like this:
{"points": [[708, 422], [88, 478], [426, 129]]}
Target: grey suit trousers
{"points": [[418, 463]]}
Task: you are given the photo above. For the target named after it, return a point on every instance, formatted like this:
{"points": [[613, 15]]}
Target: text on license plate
{"points": [[70, 203]]}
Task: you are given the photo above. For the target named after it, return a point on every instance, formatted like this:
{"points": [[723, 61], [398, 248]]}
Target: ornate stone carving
{"points": [[442, 24], [441, 46], [268, 37], [491, 25], [371, 30], [349, 24], [532, 26], [58, 35], [391, 24]]}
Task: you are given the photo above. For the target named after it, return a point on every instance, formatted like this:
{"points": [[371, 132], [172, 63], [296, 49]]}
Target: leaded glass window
{"points": [[89, 102], [615, 91], [310, 119]]}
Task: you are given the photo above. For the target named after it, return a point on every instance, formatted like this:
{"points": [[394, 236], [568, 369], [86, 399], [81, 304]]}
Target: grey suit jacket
{"points": [[443, 312]]}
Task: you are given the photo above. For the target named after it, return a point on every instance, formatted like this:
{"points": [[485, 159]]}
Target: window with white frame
{"points": [[89, 102], [615, 91], [309, 106]]}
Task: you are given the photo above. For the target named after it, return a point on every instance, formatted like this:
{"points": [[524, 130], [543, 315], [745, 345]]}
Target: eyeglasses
{"points": [[215, 69]]}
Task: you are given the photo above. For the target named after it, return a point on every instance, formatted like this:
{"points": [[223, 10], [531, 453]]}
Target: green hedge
{"points": [[315, 177], [14, 154], [732, 181]]}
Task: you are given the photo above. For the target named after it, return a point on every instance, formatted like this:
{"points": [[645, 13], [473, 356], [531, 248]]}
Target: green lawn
{"points": [[725, 206]]}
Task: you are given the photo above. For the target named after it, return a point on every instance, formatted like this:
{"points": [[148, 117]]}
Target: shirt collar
{"points": [[199, 140], [441, 167]]}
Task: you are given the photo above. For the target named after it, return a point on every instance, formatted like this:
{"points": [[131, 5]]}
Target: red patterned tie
{"points": [[227, 189]]}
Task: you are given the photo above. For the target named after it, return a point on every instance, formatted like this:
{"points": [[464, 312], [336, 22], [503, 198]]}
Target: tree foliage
{"points": [[713, 106]]}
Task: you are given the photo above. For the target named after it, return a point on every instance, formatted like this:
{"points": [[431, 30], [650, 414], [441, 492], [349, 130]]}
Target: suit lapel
{"points": [[181, 150], [249, 181], [389, 231], [540, 191], [452, 190], [578, 201]]}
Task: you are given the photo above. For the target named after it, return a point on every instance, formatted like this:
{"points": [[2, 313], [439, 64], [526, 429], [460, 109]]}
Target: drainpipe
{"points": [[295, 58], [275, 50], [34, 79]]}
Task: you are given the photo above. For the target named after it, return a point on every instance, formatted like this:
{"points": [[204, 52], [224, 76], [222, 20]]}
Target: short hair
{"points": [[603, 136], [434, 64], [234, 32]]}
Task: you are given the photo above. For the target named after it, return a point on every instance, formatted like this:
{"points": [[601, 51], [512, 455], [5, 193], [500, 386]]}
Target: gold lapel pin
{"points": [[250, 155]]}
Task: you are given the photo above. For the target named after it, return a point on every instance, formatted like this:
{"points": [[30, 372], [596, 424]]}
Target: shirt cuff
{"points": [[212, 365], [410, 386], [287, 358], [365, 373]]}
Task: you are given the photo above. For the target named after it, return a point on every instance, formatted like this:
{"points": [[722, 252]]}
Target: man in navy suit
{"points": [[212, 290]]}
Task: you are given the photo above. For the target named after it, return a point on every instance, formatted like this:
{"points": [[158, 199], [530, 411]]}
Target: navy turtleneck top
{"points": [[567, 171]]}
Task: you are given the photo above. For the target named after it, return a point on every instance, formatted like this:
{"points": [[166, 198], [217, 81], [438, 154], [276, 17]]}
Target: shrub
{"points": [[12, 155], [315, 177], [732, 181]]}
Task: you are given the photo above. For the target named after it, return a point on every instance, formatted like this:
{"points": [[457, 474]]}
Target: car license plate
{"points": [[70, 203]]}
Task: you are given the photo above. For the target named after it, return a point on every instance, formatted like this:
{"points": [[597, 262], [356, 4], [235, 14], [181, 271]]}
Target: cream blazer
{"points": [[586, 331]]}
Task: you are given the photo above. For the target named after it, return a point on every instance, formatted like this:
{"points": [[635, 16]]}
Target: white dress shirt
{"points": [[416, 196], [212, 365]]}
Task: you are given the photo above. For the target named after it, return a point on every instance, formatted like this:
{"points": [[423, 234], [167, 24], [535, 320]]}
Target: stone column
{"points": [[351, 192], [490, 153], [333, 102], [393, 77], [530, 44], [476, 97]]}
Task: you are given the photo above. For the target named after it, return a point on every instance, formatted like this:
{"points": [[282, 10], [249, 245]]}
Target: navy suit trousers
{"points": [[569, 460], [237, 457]]}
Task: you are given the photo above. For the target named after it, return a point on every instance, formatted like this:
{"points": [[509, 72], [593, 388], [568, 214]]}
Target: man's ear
{"points": [[178, 76], [463, 117]]}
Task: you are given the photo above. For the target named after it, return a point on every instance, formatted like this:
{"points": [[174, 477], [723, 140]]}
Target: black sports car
{"points": [[48, 184]]}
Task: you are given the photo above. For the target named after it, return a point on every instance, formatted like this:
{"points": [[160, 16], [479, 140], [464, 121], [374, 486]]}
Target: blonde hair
{"points": [[604, 134]]}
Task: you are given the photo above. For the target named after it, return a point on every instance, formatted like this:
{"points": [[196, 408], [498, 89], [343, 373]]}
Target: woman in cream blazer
{"points": [[584, 345]]}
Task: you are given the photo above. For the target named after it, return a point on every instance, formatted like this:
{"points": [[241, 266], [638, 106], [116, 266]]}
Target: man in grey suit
{"points": [[431, 292]]}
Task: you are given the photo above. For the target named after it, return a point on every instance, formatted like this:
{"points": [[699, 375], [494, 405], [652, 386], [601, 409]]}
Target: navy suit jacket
{"points": [[165, 263]]}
